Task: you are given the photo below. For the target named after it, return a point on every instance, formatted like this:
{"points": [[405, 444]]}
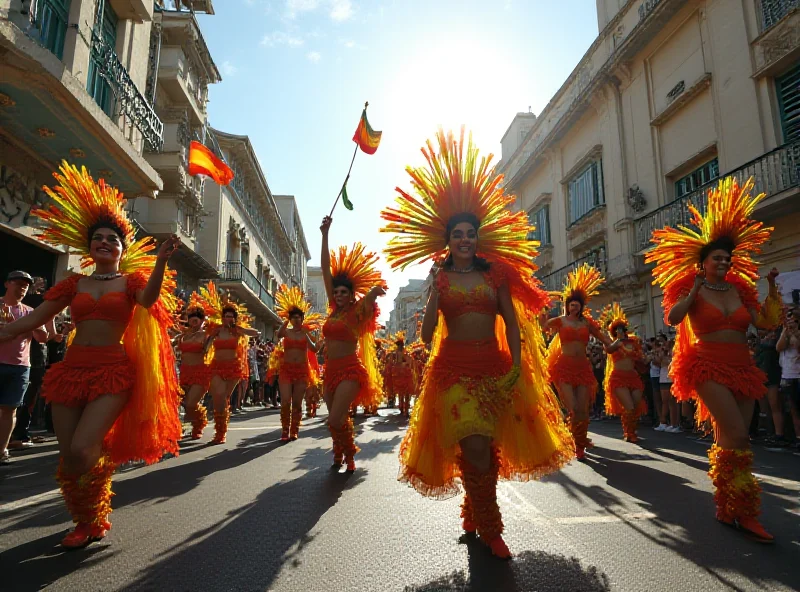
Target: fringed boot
{"points": [[199, 421], [88, 499], [338, 454], [630, 423], [346, 438], [481, 489], [294, 428], [221, 419], [737, 495], [286, 415], [467, 515]]}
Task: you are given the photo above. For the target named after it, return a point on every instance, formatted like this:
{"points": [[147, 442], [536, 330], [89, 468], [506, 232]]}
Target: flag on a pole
{"points": [[204, 162], [346, 200], [366, 137]]}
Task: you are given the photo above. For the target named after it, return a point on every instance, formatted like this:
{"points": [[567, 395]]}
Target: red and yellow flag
{"points": [[366, 137], [204, 162]]}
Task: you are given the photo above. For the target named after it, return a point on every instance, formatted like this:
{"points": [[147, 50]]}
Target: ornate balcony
{"points": [[554, 281], [777, 173], [771, 12], [129, 100]]}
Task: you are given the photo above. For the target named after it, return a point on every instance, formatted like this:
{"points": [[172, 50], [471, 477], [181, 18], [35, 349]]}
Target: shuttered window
{"points": [[788, 90]]}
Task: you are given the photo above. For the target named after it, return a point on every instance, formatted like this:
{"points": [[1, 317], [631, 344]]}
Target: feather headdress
{"points": [[456, 181], [290, 299], [216, 303], [613, 317], [357, 265], [728, 214], [399, 336], [197, 303], [582, 283]]}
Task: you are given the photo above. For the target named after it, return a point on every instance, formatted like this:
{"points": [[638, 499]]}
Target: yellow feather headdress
{"points": [[357, 265], [399, 336], [216, 303], [196, 302], [613, 317], [582, 283], [288, 299], [456, 181], [728, 214]]}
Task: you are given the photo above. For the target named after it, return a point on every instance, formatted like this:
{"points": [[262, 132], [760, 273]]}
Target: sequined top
{"points": [[631, 348], [347, 325], [191, 346], [289, 343], [455, 301], [112, 306], [567, 333], [707, 318], [226, 343]]}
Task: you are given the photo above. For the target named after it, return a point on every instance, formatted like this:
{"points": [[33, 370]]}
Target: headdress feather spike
{"points": [[358, 266], [582, 282], [612, 317], [288, 299], [456, 181]]}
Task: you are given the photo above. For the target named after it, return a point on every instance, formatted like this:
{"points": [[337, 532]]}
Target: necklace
{"points": [[465, 270], [722, 287], [106, 276]]}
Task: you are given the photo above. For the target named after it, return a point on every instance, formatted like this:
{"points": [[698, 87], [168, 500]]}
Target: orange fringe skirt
{"points": [[350, 368], [460, 398], [293, 372], [229, 369], [574, 370], [86, 373], [728, 364], [402, 381], [629, 379], [191, 375]]}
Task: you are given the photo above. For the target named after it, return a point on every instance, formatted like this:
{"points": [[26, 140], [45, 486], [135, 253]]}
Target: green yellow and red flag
{"points": [[203, 161], [366, 137]]}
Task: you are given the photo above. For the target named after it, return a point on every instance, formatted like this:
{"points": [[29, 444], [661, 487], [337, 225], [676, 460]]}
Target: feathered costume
{"points": [[401, 376], [612, 318], [196, 374], [695, 361], [356, 323], [581, 283], [142, 366], [287, 301], [468, 386], [234, 369]]}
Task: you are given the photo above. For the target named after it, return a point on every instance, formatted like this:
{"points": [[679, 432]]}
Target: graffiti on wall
{"points": [[18, 195]]}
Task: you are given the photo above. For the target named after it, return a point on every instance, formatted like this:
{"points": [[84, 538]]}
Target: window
{"points": [[540, 218], [51, 20], [97, 84], [696, 179], [788, 90], [585, 191]]}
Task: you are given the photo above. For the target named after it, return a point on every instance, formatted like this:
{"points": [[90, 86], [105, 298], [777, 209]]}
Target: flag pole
{"points": [[347, 178]]}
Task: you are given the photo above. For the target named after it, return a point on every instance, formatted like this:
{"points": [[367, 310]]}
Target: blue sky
{"points": [[296, 74]]}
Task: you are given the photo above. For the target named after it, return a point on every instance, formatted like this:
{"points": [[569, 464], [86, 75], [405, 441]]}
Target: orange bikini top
{"points": [[191, 346], [226, 343], [113, 306], [347, 325], [567, 333], [623, 352], [707, 318], [455, 301], [289, 343]]}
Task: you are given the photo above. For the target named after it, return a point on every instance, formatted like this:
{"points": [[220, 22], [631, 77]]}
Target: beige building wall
{"points": [[315, 290], [668, 89]]}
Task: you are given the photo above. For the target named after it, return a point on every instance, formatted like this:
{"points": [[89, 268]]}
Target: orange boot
{"points": [[467, 515], [630, 423], [199, 421], [221, 419], [345, 438], [482, 491], [294, 428], [88, 499], [579, 429], [286, 414], [737, 495]]}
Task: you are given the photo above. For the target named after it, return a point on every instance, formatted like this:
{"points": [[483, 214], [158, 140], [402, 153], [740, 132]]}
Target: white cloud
{"points": [[228, 69], [281, 38], [341, 10], [314, 56], [295, 7]]}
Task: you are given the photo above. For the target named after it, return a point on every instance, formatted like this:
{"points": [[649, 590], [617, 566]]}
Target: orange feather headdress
{"points": [[582, 283], [613, 317], [456, 181], [357, 265], [216, 303], [290, 299]]}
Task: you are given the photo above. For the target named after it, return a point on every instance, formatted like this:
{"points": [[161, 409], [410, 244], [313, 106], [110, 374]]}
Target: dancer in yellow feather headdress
{"points": [[622, 385], [484, 410], [352, 372], [299, 355], [569, 367], [195, 372], [119, 370], [229, 332], [708, 278]]}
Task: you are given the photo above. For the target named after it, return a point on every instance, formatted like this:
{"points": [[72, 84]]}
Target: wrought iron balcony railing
{"points": [[772, 11], [130, 101], [555, 281], [236, 271], [774, 172]]}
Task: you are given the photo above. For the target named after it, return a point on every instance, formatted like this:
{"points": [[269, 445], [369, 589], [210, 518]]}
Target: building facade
{"points": [[315, 290], [408, 309], [672, 95], [287, 207], [72, 80]]}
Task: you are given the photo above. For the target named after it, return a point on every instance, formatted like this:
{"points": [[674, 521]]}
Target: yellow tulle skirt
{"points": [[460, 397]]}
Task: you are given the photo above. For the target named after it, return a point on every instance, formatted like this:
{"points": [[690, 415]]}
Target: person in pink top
{"points": [[15, 355]]}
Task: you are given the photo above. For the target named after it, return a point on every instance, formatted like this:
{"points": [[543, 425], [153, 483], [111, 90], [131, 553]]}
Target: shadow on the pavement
{"points": [[685, 520], [540, 571], [279, 519], [35, 565]]}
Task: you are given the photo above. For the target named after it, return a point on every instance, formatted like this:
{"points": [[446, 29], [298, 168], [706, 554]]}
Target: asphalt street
{"points": [[260, 515]]}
